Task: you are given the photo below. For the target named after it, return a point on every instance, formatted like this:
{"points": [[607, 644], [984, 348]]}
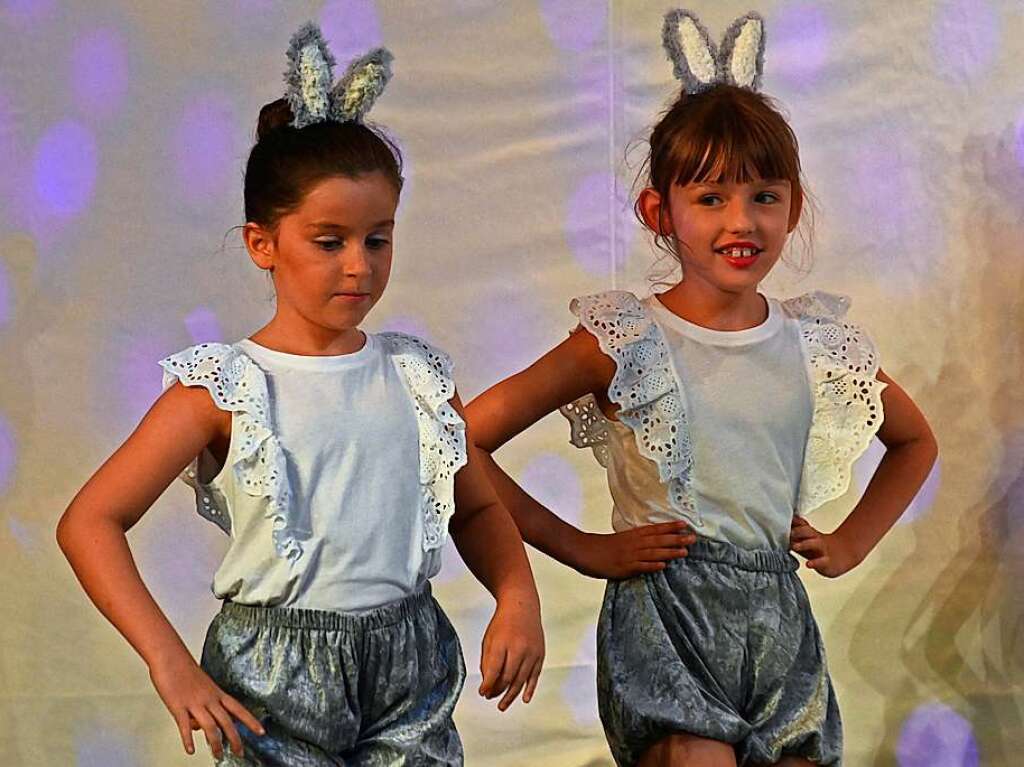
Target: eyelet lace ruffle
{"points": [[238, 386], [442, 432], [842, 364], [645, 388]]}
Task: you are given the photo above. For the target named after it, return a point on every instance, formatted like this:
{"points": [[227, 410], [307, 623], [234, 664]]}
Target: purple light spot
{"points": [[597, 89], [99, 72], [579, 691], [889, 202], [204, 149], [139, 377], [1019, 143], [8, 451], [351, 27], [574, 25], [9, 157], [597, 206], [5, 296], [404, 323], [203, 326], [801, 41], [506, 336], [64, 169], [21, 533], [101, 748], [935, 735], [452, 566], [965, 38], [29, 10], [555, 484]]}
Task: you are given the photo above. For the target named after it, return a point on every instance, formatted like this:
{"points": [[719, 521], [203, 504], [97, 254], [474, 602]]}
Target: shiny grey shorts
{"points": [[720, 644], [376, 688]]}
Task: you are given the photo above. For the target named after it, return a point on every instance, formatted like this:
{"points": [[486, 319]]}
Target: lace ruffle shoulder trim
{"points": [[645, 388], [427, 372], [842, 366], [237, 385]]}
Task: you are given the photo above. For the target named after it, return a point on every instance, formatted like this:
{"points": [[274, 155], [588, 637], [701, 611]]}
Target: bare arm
{"points": [[490, 544], [569, 371], [910, 453], [91, 533]]}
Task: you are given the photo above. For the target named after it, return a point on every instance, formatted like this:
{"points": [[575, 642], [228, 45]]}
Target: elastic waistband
{"points": [[758, 560], [329, 620]]}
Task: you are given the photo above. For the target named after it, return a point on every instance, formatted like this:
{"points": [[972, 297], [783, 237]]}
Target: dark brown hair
{"points": [[724, 133], [287, 162]]}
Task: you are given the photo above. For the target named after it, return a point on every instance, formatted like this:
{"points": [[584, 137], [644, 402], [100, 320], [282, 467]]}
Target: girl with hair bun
{"points": [[337, 462]]}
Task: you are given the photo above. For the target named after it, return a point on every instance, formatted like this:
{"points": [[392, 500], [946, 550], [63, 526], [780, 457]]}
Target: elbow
{"points": [[65, 531]]}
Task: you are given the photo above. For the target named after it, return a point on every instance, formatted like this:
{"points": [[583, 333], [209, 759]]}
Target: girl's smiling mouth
{"points": [[739, 255]]}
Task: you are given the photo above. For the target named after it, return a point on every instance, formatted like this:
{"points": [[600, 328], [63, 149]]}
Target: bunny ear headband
{"points": [[698, 64], [311, 91]]}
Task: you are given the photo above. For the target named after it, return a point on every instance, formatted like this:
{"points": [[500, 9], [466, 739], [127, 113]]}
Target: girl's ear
{"points": [[655, 214], [260, 244]]}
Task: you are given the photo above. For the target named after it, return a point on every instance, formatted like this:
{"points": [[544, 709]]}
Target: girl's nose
{"points": [[356, 261], [739, 219]]}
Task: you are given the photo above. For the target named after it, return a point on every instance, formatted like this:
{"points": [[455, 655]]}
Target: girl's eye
{"points": [[376, 243], [709, 199], [332, 243], [767, 197]]}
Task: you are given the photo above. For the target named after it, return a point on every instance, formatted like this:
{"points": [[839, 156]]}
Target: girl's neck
{"points": [[715, 309], [307, 339]]}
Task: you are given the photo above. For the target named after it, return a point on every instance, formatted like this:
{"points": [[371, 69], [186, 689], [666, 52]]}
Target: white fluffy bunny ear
{"points": [[309, 76], [689, 47], [742, 51], [363, 82]]}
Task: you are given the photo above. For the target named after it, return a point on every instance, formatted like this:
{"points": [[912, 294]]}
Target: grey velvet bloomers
{"points": [[720, 644], [369, 689]]}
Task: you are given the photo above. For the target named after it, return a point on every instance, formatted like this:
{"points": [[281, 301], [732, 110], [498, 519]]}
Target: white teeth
{"points": [[739, 252]]}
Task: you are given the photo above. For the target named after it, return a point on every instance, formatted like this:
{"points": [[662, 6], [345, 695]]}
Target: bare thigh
{"points": [[684, 750]]}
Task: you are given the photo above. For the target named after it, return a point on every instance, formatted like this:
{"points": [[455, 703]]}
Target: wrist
{"points": [[172, 656], [578, 545], [854, 548]]}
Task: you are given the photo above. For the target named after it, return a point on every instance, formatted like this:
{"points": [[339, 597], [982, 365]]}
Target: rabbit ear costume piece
{"points": [[698, 64], [311, 92], [363, 82]]}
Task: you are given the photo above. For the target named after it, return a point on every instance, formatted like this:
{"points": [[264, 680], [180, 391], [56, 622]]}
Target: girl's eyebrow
{"points": [[342, 227]]}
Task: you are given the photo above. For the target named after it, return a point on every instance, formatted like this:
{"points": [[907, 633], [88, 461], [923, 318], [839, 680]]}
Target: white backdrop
{"points": [[123, 130]]}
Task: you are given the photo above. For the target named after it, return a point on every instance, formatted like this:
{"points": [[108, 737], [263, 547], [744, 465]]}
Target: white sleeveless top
{"points": [[731, 431], [339, 479]]}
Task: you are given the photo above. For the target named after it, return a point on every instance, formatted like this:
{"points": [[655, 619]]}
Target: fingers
{"points": [[513, 681], [492, 663], [210, 729], [678, 527], [183, 720], [803, 533], [659, 555], [667, 541], [646, 567], [227, 727], [810, 548], [241, 713], [820, 564], [531, 684]]}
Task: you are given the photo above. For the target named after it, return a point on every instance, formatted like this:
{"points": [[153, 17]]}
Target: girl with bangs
{"points": [[723, 417]]}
